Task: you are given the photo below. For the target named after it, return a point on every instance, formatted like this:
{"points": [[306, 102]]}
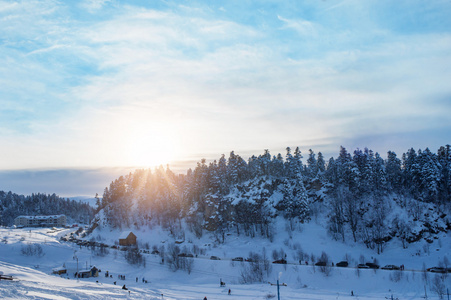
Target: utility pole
{"points": [[76, 258], [278, 289]]}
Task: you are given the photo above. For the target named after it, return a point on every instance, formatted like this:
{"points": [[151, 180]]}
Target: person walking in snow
{"points": [[230, 291]]}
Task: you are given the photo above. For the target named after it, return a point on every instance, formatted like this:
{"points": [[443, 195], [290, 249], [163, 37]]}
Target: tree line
{"points": [[356, 191], [13, 205]]}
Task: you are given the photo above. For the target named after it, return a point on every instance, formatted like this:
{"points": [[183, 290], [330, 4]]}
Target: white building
{"points": [[40, 221]]}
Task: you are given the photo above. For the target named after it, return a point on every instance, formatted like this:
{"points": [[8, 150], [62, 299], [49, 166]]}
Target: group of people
{"points": [[107, 274]]}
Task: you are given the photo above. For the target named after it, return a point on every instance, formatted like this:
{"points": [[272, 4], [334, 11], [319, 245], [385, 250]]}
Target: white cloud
{"points": [[303, 27], [215, 85], [93, 6]]}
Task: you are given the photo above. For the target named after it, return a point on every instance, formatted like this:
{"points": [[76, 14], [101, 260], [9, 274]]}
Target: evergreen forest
{"points": [[362, 196], [13, 205]]}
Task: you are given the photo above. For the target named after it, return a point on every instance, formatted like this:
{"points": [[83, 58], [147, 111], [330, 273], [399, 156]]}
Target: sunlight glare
{"points": [[151, 148]]}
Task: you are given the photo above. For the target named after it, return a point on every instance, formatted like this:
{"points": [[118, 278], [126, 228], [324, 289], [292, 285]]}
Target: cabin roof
{"points": [[125, 234]]}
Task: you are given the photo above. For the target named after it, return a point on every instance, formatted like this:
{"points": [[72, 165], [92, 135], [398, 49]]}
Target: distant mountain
{"points": [[91, 201]]}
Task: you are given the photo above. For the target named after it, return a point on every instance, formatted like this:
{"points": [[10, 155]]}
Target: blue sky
{"points": [[95, 84]]}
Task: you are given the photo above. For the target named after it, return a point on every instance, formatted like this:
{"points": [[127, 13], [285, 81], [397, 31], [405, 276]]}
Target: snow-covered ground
{"points": [[35, 281]]}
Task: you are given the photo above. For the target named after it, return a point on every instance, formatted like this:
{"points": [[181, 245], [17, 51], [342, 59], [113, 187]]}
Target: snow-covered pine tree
{"points": [[394, 172], [312, 165], [444, 158]]}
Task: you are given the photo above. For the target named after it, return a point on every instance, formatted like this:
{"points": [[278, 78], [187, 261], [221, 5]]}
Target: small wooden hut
{"points": [[93, 272], [127, 238], [60, 270]]}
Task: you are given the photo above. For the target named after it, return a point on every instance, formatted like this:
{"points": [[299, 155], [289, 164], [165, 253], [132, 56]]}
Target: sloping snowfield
{"points": [[33, 278]]}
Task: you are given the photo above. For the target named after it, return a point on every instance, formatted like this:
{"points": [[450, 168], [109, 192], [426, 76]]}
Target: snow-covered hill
{"points": [[303, 281]]}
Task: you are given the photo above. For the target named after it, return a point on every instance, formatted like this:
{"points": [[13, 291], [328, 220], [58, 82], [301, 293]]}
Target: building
{"points": [[59, 271], [41, 221], [93, 272], [127, 238]]}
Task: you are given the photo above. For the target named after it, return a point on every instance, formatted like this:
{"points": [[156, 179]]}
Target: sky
{"points": [[98, 85]]}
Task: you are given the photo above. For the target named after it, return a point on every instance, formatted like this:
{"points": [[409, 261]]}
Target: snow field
{"points": [[303, 282]]}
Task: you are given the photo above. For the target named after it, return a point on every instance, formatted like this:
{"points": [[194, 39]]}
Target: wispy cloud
{"points": [[303, 27], [216, 78], [93, 5]]}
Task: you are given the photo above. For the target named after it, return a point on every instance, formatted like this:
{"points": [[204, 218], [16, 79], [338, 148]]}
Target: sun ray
{"points": [[150, 148]]}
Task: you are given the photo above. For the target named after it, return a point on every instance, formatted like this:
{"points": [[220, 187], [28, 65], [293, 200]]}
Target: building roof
{"points": [[41, 217], [125, 234], [88, 270]]}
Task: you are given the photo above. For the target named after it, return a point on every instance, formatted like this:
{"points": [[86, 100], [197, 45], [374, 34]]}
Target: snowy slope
{"points": [[303, 282]]}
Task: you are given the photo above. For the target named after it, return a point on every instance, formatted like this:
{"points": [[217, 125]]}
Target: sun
{"points": [[151, 148]]}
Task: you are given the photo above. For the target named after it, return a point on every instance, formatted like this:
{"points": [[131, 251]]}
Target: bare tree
{"points": [[325, 266], [187, 264], [32, 250], [351, 209], [337, 218], [254, 270], [438, 286], [172, 257], [134, 257]]}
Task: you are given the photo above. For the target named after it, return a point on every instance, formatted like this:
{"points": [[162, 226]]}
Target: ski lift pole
{"points": [[76, 258]]}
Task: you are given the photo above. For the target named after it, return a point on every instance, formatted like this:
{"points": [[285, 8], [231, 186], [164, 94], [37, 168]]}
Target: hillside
{"points": [[303, 281], [359, 209], [361, 197]]}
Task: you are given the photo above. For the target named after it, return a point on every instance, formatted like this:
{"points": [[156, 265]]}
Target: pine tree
{"points": [[277, 166], [411, 172], [394, 172], [444, 158], [321, 164], [312, 165], [379, 175], [430, 175]]}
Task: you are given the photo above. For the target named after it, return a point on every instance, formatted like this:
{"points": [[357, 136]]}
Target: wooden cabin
{"points": [[93, 272], [127, 238], [59, 271]]}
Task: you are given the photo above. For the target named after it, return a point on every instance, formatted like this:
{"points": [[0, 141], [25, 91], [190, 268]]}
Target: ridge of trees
{"points": [[13, 205], [357, 190]]}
